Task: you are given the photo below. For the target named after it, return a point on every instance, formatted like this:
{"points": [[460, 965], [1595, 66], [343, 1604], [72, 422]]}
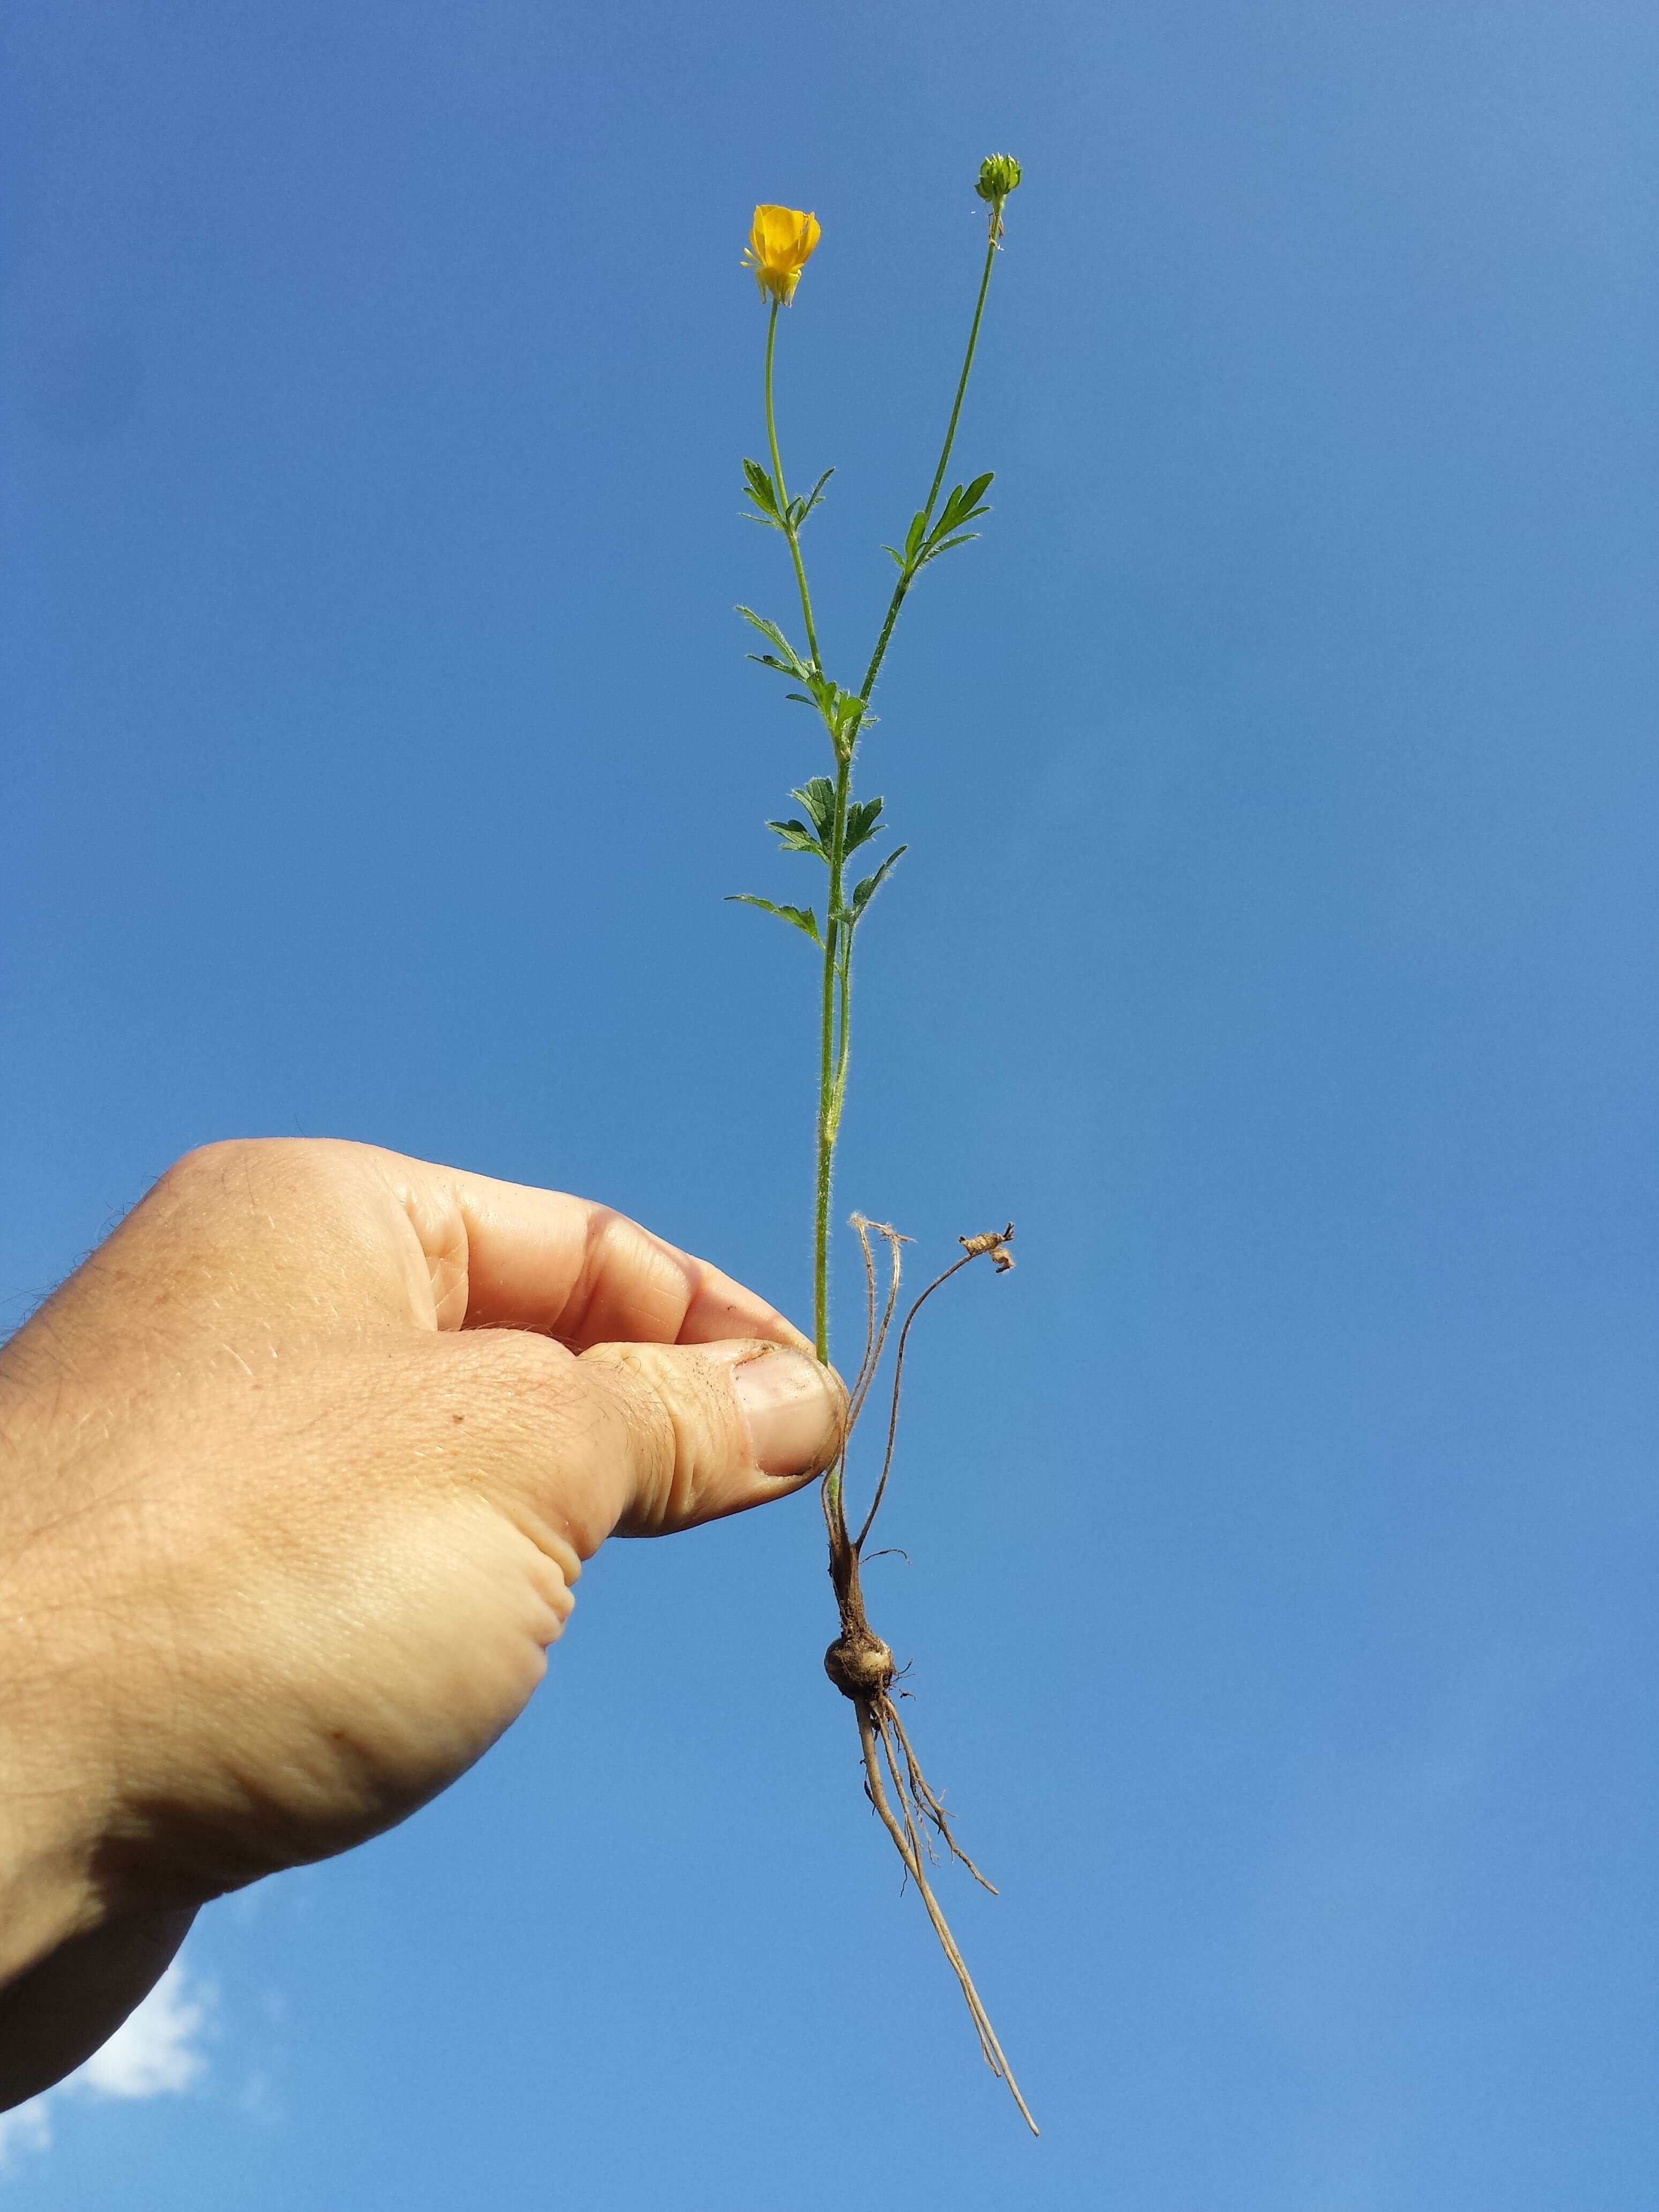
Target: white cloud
{"points": [[28, 2127], [151, 2054], [260, 2101], [154, 2052]]}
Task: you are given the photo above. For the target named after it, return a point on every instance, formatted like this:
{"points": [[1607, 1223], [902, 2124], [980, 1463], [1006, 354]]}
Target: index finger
{"points": [[507, 1255]]}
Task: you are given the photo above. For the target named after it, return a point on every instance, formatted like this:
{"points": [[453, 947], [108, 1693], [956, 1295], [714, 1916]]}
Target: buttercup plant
{"points": [[832, 826]]}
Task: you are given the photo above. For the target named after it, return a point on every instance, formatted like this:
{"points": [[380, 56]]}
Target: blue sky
{"points": [[1276, 944]]}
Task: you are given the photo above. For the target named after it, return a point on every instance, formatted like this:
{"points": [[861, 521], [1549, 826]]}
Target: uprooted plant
{"points": [[832, 826]]}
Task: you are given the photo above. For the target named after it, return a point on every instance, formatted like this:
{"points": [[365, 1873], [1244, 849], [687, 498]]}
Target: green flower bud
{"points": [[998, 173]]}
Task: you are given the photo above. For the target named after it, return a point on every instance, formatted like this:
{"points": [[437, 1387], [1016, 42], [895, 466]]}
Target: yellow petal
{"points": [[780, 241]]}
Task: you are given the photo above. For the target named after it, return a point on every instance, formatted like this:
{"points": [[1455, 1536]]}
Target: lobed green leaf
{"points": [[963, 501], [801, 508], [799, 917], [818, 796], [866, 890], [847, 716], [795, 837], [791, 663], [761, 488], [963, 537], [862, 822]]}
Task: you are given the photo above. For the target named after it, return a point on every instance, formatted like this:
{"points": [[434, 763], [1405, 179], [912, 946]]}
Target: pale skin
{"points": [[300, 1470]]}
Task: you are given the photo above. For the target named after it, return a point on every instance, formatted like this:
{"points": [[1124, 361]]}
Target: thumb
{"points": [[707, 1430]]}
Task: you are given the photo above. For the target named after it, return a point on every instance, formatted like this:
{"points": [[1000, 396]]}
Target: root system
{"points": [[859, 1663]]}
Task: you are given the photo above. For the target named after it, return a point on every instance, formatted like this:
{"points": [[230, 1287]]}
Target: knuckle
{"points": [[240, 1157], [506, 1362], [649, 1434], [229, 1161], [618, 1247], [208, 1163], [678, 1418]]}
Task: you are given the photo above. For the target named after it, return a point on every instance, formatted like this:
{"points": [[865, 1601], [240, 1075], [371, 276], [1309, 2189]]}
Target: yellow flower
{"points": [[779, 247]]}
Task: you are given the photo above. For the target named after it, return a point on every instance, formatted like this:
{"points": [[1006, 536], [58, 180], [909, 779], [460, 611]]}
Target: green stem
{"points": [[967, 369], [832, 1060], [831, 1050], [845, 1020], [907, 574], [880, 653], [783, 495]]}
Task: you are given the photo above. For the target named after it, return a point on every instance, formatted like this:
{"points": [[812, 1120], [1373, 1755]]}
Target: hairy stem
{"points": [[907, 574], [832, 1047], [832, 1064], [967, 370], [789, 529]]}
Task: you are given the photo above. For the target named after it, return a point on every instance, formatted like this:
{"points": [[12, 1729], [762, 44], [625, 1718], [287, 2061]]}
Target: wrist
{"points": [[54, 1796], [49, 1884]]}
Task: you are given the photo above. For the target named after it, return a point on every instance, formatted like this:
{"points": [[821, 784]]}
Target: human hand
{"points": [[301, 1468]]}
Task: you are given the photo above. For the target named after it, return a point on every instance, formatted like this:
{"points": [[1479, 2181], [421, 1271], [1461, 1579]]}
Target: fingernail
{"points": [[794, 1409]]}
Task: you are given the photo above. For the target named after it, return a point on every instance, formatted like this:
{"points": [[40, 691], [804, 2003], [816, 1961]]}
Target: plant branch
{"points": [[967, 370], [955, 1268], [907, 574]]}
